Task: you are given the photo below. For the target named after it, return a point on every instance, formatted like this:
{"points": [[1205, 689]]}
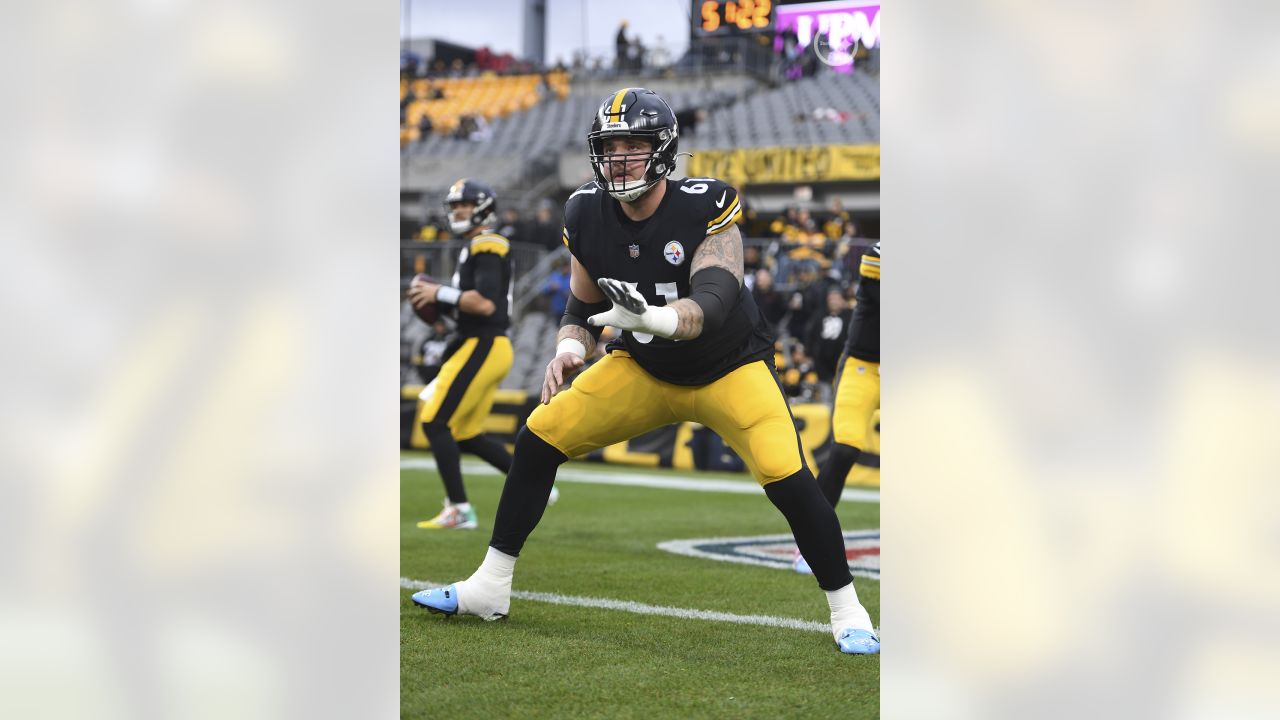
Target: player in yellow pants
{"points": [[661, 260], [455, 404], [858, 384]]}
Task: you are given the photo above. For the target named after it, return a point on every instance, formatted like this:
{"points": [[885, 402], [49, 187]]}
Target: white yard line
{"points": [[666, 482], [646, 609]]}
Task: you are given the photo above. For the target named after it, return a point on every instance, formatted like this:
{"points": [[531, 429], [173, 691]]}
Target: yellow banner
{"points": [[760, 166]]}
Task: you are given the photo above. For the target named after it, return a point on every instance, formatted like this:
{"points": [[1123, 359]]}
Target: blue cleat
{"points": [[438, 600], [858, 642]]}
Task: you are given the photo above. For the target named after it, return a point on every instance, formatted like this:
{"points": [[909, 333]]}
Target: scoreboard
{"points": [[713, 18]]}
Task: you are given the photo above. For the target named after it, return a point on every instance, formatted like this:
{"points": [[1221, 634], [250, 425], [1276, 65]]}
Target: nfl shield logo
{"points": [[634, 250]]}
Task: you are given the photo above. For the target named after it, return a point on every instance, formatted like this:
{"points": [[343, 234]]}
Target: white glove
{"points": [[631, 312]]}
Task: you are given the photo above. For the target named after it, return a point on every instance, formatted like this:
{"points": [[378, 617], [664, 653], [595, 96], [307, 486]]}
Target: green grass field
{"points": [[600, 541]]}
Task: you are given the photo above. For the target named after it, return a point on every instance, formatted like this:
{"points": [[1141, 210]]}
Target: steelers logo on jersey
{"points": [[674, 252]]}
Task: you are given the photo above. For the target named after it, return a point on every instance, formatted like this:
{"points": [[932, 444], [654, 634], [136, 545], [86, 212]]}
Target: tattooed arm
{"points": [[723, 251]]}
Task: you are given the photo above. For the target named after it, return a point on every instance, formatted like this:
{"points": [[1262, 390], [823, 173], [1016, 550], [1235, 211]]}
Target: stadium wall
{"points": [[686, 446]]}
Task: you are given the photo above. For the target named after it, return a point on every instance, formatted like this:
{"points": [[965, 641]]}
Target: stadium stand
{"points": [[525, 121], [821, 110]]}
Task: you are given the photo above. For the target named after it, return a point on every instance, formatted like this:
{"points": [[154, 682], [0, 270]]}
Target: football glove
{"points": [[631, 312]]}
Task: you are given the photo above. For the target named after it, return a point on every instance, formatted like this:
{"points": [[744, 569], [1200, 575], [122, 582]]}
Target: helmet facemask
{"points": [[657, 159], [481, 215]]}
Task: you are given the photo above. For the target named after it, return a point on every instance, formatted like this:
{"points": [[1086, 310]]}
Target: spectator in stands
{"points": [[635, 55], [799, 380], [425, 127], [556, 288], [405, 102], [688, 120], [546, 231], [473, 127], [433, 350], [512, 227], [838, 223], [827, 334], [772, 304], [466, 126], [621, 47], [752, 260], [805, 301]]}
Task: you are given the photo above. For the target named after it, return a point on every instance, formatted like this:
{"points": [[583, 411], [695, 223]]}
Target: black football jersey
{"points": [[484, 265], [864, 330], [656, 255]]}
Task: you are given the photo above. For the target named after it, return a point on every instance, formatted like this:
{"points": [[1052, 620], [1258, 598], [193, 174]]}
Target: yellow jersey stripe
{"points": [[726, 212], [490, 243], [869, 269], [617, 101], [728, 222]]}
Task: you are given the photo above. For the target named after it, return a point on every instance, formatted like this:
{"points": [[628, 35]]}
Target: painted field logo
{"points": [[861, 548]]}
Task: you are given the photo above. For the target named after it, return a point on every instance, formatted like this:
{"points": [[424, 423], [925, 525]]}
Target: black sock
{"points": [[488, 450], [524, 496], [831, 477], [815, 527], [448, 460]]}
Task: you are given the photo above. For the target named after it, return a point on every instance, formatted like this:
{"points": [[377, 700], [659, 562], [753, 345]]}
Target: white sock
{"points": [[464, 507], [846, 611]]}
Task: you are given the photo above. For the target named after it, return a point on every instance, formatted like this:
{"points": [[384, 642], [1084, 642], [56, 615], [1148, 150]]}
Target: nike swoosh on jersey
{"points": [[720, 202]]}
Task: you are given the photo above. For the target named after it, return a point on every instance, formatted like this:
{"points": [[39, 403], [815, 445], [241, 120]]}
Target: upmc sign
{"points": [[843, 21]]}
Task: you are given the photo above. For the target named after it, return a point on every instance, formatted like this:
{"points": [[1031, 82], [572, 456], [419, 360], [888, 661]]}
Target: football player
{"points": [[660, 260], [455, 404], [857, 385]]}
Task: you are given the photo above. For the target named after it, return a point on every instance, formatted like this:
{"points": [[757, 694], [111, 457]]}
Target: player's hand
{"points": [[631, 312], [561, 368], [422, 293]]}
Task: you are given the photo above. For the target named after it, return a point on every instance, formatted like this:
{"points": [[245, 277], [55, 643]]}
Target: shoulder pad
{"points": [[724, 207], [491, 243], [589, 188], [870, 267]]}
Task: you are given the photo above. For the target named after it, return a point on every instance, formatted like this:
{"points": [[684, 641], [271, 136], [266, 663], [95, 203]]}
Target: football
{"points": [[430, 312]]}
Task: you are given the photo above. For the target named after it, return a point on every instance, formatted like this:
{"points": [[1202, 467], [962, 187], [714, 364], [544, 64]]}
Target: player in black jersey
{"points": [[455, 404], [858, 383], [661, 260]]}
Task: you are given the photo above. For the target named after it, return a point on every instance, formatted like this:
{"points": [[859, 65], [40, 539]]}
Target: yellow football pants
{"points": [[615, 400], [463, 392], [857, 399]]}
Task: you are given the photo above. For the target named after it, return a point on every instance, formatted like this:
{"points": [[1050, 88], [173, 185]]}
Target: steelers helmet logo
{"points": [[674, 252]]}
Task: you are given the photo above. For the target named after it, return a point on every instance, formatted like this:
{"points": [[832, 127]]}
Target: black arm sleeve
{"points": [[576, 312], [488, 276], [716, 291]]}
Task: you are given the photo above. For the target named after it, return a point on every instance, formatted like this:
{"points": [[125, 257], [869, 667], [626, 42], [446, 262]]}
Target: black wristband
{"points": [[576, 312]]}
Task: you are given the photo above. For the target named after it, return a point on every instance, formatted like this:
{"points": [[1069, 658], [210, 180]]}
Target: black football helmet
{"points": [[473, 191], [634, 112]]}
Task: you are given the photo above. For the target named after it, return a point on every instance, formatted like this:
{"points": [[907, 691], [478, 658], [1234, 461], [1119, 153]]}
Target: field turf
{"points": [[600, 541]]}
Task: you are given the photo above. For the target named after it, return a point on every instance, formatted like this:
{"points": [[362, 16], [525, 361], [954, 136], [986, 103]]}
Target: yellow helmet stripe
{"points": [[617, 101]]}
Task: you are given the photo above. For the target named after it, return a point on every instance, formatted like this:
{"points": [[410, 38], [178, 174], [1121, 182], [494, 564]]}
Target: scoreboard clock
{"points": [[712, 18]]}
